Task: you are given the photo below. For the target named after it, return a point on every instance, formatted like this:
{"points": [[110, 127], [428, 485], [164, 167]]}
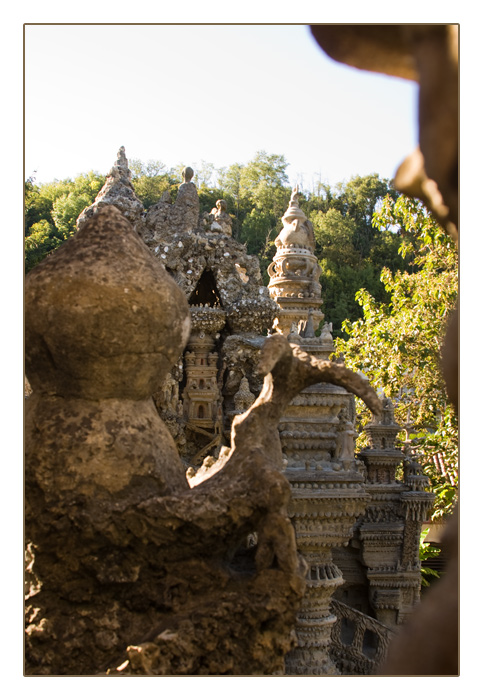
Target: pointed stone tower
{"points": [[117, 191], [316, 432], [294, 272]]}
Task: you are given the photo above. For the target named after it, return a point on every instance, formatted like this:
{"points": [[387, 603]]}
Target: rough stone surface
{"points": [[231, 311], [130, 570], [295, 272], [126, 562], [117, 191]]}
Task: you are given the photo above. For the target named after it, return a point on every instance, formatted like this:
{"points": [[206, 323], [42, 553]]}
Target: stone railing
{"points": [[358, 642]]}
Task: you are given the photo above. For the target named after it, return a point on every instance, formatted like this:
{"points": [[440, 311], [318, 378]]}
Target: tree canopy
{"points": [[397, 344], [51, 211]]}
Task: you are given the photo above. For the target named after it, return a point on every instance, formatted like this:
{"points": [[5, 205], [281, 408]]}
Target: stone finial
{"points": [[309, 330], [122, 161], [326, 333], [187, 174], [221, 218], [120, 169], [297, 231], [387, 411], [294, 216]]}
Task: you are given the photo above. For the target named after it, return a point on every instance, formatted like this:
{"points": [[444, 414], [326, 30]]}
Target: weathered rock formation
{"points": [[118, 191], [130, 569]]}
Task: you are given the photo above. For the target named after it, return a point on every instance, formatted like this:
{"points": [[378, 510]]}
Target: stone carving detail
{"points": [[154, 586], [294, 272], [389, 530], [243, 398], [337, 499], [219, 220], [297, 231], [358, 642], [338, 504], [345, 438]]}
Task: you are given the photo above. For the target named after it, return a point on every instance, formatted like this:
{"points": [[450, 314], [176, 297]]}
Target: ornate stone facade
{"points": [[317, 435], [338, 499], [390, 528], [357, 527]]}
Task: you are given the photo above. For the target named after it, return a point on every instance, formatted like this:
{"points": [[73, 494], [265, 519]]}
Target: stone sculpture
{"points": [[217, 379], [333, 492], [294, 272], [390, 528], [221, 218], [131, 570], [243, 398]]}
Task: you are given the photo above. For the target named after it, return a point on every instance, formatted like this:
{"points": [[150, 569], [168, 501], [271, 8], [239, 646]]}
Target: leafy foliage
{"points": [[397, 344], [51, 211], [351, 251], [150, 180], [427, 551]]}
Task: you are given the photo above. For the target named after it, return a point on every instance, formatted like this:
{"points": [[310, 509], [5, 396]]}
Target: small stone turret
{"points": [[389, 530], [294, 272]]}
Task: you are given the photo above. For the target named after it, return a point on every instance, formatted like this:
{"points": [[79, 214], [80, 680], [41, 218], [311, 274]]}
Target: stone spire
{"points": [[294, 272], [117, 191]]}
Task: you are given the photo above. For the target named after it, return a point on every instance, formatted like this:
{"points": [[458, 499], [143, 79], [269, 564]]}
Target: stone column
{"points": [[328, 493], [325, 505], [390, 529]]}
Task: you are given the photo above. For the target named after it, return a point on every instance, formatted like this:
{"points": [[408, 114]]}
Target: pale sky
{"points": [[193, 93]]}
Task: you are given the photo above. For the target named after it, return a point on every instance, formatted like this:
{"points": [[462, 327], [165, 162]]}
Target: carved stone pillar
{"points": [[324, 507], [201, 396], [389, 531]]}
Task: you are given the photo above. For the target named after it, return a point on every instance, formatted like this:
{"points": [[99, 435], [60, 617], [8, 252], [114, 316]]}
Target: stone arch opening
{"points": [[206, 291]]}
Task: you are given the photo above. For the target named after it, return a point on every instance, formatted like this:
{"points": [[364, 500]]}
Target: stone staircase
{"points": [[358, 642]]}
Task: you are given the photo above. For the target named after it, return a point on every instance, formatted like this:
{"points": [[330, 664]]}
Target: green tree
{"points": [[150, 180], [351, 250], [229, 179], [51, 211], [264, 196], [397, 344]]}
